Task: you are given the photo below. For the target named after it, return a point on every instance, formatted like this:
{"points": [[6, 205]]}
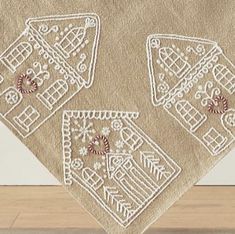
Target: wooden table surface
{"points": [[46, 208]]}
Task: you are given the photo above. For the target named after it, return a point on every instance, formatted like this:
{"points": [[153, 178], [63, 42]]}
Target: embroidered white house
{"points": [[127, 178], [56, 52], [186, 74]]}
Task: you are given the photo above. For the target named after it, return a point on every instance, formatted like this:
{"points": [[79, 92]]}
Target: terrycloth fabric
{"points": [[127, 103]]}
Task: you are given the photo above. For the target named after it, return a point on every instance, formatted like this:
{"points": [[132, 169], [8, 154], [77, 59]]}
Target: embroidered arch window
{"points": [[17, 55], [191, 116], [53, 93], [214, 140], [225, 77], [131, 138], [91, 178], [173, 61], [27, 117], [71, 41]]}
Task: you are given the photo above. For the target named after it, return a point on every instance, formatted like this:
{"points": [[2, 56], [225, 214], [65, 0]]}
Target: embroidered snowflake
{"points": [[83, 151], [97, 166], [77, 164], [116, 124], [84, 130], [119, 144], [105, 131]]}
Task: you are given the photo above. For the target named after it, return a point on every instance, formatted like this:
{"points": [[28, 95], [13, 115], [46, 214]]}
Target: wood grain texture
{"points": [[51, 207]]}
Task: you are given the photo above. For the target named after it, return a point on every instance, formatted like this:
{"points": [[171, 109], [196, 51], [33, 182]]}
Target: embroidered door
{"points": [[173, 61], [134, 181], [191, 116], [53, 93], [27, 118], [17, 55], [225, 77]]}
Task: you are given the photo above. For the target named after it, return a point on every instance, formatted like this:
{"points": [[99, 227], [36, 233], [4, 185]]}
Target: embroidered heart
{"points": [[99, 141], [25, 85], [219, 105]]}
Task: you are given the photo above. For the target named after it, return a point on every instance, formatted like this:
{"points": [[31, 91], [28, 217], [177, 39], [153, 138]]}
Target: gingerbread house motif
{"points": [[112, 159], [194, 82], [58, 53]]}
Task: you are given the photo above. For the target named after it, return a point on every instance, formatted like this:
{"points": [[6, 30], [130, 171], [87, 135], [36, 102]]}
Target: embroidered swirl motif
{"points": [[199, 50], [207, 93], [38, 73], [51, 49], [44, 29], [81, 67]]}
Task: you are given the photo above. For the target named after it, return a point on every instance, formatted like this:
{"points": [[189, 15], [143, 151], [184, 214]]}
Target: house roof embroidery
{"points": [[172, 72], [60, 39]]}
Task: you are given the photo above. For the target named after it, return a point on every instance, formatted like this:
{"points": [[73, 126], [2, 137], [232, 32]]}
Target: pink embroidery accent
{"points": [[216, 104], [30, 83], [99, 138]]}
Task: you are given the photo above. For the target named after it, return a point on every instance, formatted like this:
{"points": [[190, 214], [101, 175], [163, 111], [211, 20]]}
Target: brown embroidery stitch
{"points": [[99, 138], [219, 105], [29, 82]]}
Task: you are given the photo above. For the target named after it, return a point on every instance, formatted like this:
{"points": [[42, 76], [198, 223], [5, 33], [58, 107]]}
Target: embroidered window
{"points": [[190, 114], [71, 41], [131, 138], [27, 118], [18, 55], [53, 93], [214, 140], [173, 61], [91, 178], [225, 77]]}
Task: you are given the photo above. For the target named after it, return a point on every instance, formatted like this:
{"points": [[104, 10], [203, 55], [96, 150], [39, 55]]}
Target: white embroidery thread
{"points": [[131, 178], [207, 93], [64, 81], [182, 64], [27, 117], [38, 73]]}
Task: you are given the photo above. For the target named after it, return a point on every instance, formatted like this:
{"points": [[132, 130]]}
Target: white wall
{"points": [[18, 166]]}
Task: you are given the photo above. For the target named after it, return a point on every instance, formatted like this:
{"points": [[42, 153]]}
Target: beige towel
{"points": [[127, 103]]}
